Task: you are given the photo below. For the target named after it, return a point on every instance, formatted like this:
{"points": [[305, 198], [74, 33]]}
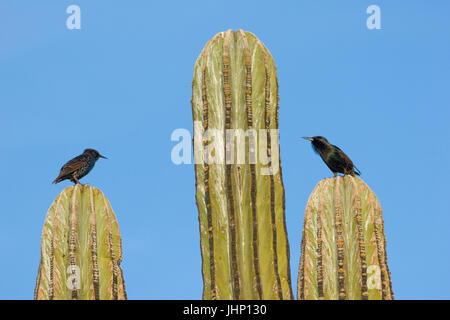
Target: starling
{"points": [[333, 157], [79, 166]]}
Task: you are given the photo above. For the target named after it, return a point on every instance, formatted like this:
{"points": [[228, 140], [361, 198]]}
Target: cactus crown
{"points": [[81, 248], [343, 244]]}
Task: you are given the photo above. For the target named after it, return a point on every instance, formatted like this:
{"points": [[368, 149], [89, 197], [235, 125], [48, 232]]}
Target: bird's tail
{"points": [[57, 180], [356, 171]]}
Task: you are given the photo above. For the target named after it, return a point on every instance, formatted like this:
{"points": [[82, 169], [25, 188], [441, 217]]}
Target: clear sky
{"points": [[122, 84]]}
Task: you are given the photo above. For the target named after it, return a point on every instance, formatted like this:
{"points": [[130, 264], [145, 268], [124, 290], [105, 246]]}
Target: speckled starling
{"points": [[334, 158], [79, 166]]}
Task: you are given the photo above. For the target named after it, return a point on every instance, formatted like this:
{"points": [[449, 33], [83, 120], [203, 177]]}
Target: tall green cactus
{"points": [[80, 249], [239, 191], [343, 245]]}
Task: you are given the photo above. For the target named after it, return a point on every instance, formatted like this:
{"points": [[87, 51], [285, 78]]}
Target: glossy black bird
{"points": [[334, 158], [79, 166]]}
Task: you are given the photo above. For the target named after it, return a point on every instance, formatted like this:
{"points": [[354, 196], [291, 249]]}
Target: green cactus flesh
{"points": [[80, 248], [244, 243], [343, 244]]}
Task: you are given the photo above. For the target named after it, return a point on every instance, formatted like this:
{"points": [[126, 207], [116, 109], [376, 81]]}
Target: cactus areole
{"points": [[239, 187], [81, 248], [343, 245]]}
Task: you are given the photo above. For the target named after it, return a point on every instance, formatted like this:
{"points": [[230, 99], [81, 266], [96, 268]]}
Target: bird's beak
{"points": [[102, 156], [307, 138]]}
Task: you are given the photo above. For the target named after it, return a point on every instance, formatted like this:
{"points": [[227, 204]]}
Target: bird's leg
{"points": [[335, 174], [77, 181]]}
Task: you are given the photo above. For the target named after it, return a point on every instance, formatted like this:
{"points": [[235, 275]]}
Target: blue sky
{"points": [[122, 84]]}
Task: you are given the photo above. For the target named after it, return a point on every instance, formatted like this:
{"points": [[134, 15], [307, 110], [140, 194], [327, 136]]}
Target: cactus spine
{"points": [[239, 191], [343, 244], [80, 249]]}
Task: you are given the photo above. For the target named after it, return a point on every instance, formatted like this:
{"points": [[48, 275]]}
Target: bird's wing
{"points": [[347, 160], [73, 165], [343, 156]]}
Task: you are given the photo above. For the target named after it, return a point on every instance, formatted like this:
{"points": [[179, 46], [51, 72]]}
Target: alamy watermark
{"points": [[230, 146], [74, 20], [374, 279], [374, 20], [73, 277]]}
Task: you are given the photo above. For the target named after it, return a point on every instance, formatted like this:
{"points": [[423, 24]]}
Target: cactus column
{"points": [[81, 248], [239, 188], [343, 244]]}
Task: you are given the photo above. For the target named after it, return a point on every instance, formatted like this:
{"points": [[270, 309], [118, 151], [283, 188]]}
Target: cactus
{"points": [[239, 191], [80, 248], [343, 244]]}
